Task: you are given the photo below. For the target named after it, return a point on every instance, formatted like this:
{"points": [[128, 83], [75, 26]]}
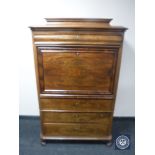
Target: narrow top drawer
{"points": [[76, 37]]}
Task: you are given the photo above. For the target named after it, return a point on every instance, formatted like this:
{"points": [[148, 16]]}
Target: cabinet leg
{"points": [[43, 142], [109, 143]]}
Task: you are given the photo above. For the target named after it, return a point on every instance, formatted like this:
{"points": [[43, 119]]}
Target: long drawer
{"points": [[81, 117], [76, 37], [82, 105], [72, 130]]}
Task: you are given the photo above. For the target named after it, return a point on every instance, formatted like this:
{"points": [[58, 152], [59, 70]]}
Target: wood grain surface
{"points": [[77, 64]]}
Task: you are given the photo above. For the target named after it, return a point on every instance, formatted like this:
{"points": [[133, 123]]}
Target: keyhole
{"points": [[77, 53], [77, 37]]}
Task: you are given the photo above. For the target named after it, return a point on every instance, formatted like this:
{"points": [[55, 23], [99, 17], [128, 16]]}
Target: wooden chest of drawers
{"points": [[77, 65]]}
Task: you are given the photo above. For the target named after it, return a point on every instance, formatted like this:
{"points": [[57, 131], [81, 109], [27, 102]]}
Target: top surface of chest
{"points": [[78, 24]]}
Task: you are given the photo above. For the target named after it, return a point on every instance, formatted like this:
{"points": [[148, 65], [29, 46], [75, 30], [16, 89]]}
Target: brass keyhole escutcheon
{"points": [[76, 128], [77, 53], [76, 115], [76, 103], [101, 115], [77, 37]]}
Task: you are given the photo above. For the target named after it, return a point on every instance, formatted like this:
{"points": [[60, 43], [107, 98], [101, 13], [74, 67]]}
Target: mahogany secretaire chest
{"points": [[77, 64]]}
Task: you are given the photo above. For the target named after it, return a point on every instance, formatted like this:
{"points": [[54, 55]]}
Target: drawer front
{"points": [[63, 117], [77, 37], [77, 71], [76, 130], [83, 105]]}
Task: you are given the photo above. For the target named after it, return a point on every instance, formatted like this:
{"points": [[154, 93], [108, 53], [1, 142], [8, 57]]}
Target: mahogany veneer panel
{"points": [[75, 117], [78, 70], [76, 105], [76, 130]]}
